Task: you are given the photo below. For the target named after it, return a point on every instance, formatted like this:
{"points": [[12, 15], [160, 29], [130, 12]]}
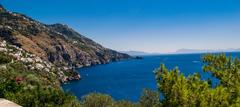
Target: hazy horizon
{"points": [[141, 25]]}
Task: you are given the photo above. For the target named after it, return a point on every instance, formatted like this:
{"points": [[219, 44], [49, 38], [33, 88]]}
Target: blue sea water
{"points": [[126, 79]]}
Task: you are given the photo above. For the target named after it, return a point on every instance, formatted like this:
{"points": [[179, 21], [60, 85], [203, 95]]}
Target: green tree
{"points": [[150, 98], [97, 100], [181, 91]]}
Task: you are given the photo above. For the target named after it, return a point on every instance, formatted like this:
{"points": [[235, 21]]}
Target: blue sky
{"points": [[143, 25]]}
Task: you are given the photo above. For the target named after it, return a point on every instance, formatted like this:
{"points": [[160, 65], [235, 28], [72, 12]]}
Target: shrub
{"points": [[4, 58], [97, 100], [150, 98]]}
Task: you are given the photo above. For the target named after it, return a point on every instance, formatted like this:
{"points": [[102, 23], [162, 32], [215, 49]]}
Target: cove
{"points": [[126, 79]]}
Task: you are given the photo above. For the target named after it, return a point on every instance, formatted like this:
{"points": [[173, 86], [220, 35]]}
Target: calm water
{"points": [[126, 79]]}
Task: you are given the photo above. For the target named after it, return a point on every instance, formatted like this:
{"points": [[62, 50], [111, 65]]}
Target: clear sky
{"points": [[143, 25]]}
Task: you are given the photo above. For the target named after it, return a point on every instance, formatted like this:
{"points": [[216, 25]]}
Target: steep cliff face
{"points": [[56, 43]]}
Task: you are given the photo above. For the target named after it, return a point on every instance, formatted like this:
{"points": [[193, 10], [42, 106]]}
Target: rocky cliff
{"points": [[57, 43]]}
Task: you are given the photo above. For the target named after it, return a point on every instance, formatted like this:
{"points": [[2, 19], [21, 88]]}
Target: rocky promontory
{"points": [[57, 44]]}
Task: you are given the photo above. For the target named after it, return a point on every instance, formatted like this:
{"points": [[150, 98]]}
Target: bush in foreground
{"points": [[191, 91]]}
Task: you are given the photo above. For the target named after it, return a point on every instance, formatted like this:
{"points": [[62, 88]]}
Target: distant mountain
{"points": [[135, 53], [138, 53], [205, 51], [56, 43]]}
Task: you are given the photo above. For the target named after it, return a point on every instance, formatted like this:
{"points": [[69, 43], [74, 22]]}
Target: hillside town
{"points": [[34, 62]]}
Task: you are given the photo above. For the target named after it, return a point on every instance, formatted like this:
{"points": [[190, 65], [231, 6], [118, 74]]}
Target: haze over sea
{"points": [[126, 79]]}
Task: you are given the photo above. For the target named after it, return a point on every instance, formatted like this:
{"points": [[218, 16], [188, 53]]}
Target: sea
{"points": [[126, 79]]}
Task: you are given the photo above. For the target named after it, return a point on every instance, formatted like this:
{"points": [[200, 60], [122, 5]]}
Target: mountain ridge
{"points": [[138, 53], [56, 43], [206, 50]]}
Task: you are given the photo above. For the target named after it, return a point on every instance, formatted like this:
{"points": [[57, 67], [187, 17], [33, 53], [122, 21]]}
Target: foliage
{"points": [[179, 90], [7, 87], [97, 100], [124, 103], [150, 98], [45, 96], [103, 100], [4, 58], [31, 88]]}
